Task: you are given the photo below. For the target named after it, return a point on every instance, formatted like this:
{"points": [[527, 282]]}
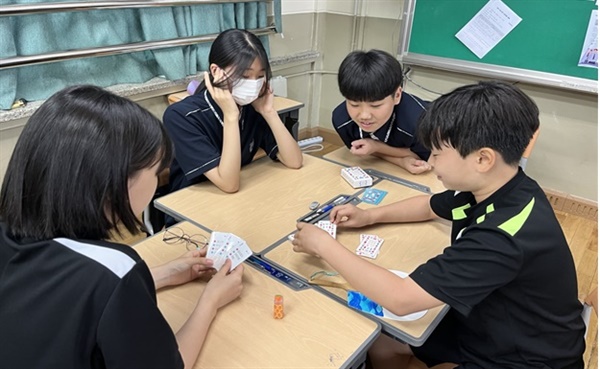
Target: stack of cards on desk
{"points": [[369, 245], [328, 227], [357, 177], [223, 246]]}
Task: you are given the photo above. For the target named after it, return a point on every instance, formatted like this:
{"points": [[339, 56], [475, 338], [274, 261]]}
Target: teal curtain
{"points": [[43, 33]]}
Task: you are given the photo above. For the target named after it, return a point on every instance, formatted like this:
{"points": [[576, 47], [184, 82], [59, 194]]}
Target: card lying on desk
{"points": [[223, 246], [373, 196], [369, 245]]}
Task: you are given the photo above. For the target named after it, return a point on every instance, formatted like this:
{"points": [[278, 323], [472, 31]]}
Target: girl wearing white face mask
{"points": [[230, 116]]}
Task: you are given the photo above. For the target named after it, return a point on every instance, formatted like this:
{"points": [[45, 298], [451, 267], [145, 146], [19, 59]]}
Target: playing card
{"points": [[369, 245], [223, 246], [328, 227]]}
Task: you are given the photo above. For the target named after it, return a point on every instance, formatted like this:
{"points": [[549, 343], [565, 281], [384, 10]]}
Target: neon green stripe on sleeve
{"points": [[514, 224]]}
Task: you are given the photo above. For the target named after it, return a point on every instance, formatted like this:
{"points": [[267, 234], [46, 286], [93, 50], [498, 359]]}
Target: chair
{"points": [[589, 303], [528, 149]]}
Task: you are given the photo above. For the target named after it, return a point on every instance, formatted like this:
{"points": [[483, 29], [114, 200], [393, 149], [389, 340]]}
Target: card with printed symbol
{"points": [[373, 196], [356, 177], [223, 246], [328, 227], [369, 246]]}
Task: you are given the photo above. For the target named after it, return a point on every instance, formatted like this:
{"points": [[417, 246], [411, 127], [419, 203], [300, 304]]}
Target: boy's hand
{"points": [[363, 147], [350, 216], [222, 96], [415, 166], [309, 238]]}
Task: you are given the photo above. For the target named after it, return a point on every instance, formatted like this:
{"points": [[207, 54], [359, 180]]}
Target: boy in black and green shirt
{"points": [[508, 275]]}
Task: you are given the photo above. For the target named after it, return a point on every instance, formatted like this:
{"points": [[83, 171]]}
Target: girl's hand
{"points": [[222, 96], [186, 268], [224, 286], [264, 105]]}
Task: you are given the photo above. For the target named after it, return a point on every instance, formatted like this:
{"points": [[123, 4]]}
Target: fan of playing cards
{"points": [[223, 246]]}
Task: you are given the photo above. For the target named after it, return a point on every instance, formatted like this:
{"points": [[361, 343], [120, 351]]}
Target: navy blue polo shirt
{"points": [[195, 124], [402, 133]]}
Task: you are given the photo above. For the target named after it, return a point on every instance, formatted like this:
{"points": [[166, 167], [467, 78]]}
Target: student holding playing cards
{"points": [[230, 116], [508, 274], [378, 118], [86, 161]]}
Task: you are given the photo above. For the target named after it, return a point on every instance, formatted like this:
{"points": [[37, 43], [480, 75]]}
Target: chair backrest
{"points": [[590, 303], [529, 149]]}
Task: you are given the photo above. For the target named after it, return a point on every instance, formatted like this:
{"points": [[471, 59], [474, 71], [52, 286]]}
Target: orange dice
{"points": [[278, 307]]}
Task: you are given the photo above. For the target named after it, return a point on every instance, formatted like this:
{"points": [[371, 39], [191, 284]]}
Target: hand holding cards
{"points": [[328, 227], [325, 225], [223, 246]]}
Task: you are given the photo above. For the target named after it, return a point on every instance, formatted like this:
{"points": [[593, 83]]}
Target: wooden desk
{"points": [[286, 108], [406, 246], [316, 331], [344, 157], [265, 209]]}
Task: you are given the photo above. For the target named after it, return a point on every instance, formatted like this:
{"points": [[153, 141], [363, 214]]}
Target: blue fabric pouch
{"points": [[361, 302]]}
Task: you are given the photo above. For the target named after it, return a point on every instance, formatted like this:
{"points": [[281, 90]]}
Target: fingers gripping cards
{"points": [[223, 246]]}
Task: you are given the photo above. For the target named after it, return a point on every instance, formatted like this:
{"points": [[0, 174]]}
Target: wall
{"points": [[566, 154], [565, 157]]}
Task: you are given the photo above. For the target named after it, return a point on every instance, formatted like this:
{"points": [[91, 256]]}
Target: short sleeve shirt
{"points": [[195, 124], [510, 279], [80, 304], [402, 131]]}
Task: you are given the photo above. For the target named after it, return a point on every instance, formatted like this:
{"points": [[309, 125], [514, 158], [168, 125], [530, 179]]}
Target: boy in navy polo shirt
{"points": [[378, 118], [508, 275]]}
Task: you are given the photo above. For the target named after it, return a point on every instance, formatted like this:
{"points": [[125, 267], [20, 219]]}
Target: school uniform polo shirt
{"points": [[195, 124], [402, 126], [509, 278], [79, 304]]}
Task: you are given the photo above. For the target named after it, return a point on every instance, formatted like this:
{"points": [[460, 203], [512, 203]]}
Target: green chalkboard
{"points": [[543, 48]]}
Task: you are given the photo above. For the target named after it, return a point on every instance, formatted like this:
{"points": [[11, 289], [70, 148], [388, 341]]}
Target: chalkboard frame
{"points": [[484, 69]]}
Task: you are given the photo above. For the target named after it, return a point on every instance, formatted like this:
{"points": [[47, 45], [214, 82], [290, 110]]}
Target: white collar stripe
{"points": [[345, 123], [115, 261], [403, 131], [417, 101]]}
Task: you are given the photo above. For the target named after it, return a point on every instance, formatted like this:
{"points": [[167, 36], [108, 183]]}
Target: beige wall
{"points": [[566, 154], [565, 157]]}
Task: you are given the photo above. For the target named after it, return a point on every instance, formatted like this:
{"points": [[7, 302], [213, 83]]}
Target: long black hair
{"points": [[68, 175], [237, 48]]}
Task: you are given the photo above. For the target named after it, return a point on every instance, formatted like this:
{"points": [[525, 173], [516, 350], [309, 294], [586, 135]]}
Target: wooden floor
{"points": [[582, 235]]}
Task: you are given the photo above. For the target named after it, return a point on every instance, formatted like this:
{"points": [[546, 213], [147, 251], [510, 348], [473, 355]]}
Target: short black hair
{"points": [[237, 48], [369, 75], [490, 114], [68, 174]]}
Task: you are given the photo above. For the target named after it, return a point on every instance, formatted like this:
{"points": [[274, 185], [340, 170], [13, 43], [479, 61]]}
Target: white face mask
{"points": [[247, 90]]}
